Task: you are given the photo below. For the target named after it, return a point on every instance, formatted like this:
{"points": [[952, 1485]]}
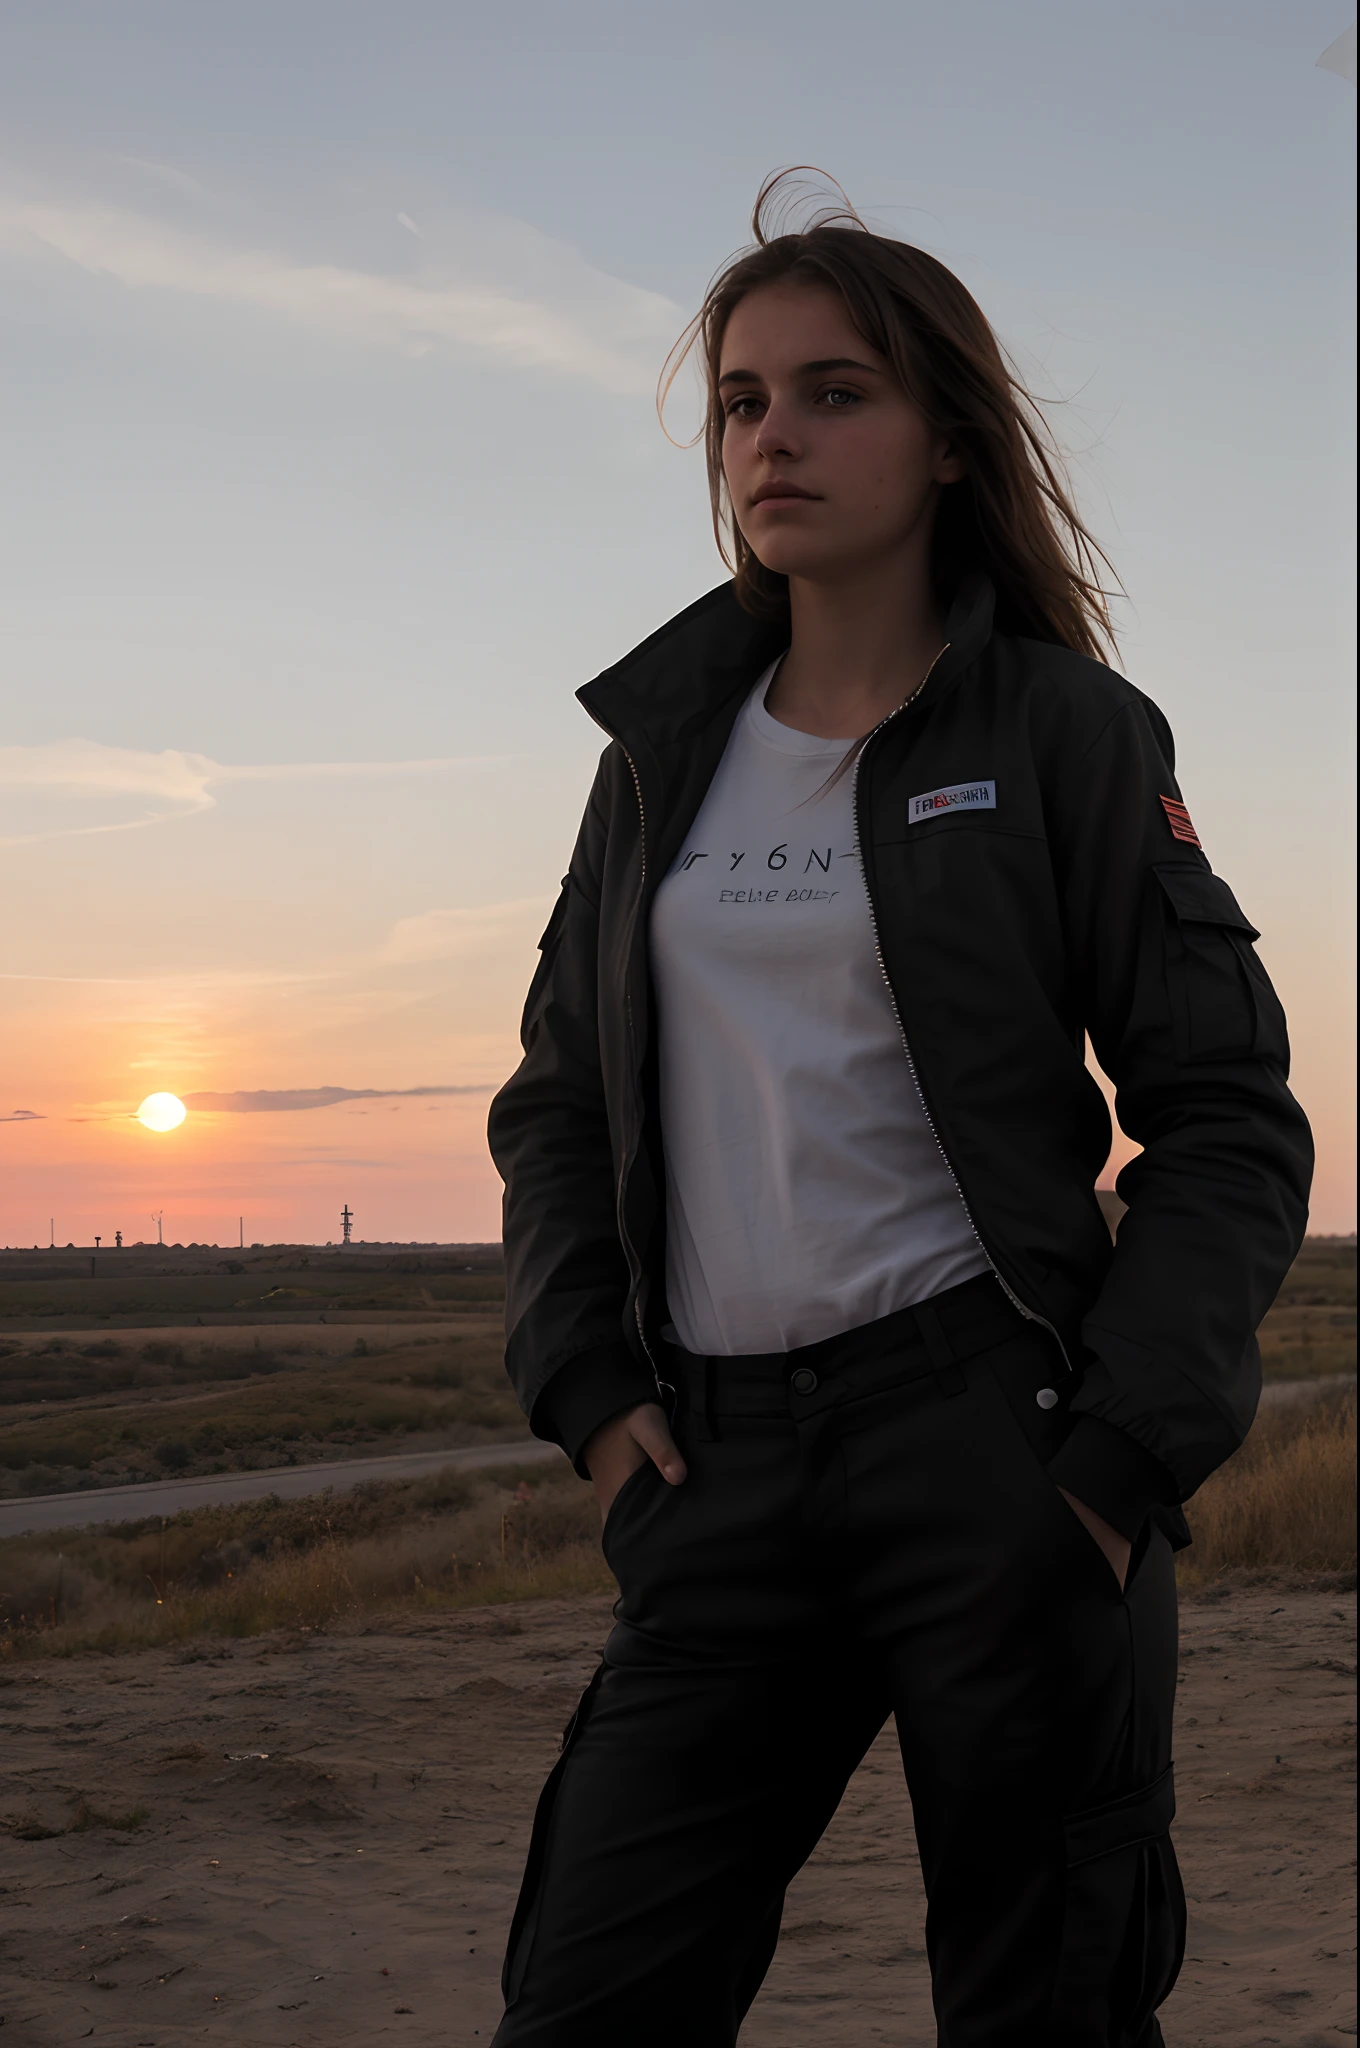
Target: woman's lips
{"points": [[776, 501]]}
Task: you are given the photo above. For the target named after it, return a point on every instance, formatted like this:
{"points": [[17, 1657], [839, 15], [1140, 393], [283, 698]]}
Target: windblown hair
{"points": [[1012, 515]]}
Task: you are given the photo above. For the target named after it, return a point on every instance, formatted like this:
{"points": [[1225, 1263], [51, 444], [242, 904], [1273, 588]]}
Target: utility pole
{"points": [[241, 1233], [156, 1219], [347, 1220], [51, 1233], [96, 1244]]}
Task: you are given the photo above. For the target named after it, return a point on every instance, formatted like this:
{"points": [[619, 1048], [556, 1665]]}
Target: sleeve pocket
{"points": [[554, 924], [1222, 1004], [547, 948]]}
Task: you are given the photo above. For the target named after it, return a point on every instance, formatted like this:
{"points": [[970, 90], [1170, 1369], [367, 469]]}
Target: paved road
{"points": [[289, 1482]]}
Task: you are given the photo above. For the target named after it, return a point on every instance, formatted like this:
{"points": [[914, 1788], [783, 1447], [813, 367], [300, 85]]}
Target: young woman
{"points": [[805, 1267]]}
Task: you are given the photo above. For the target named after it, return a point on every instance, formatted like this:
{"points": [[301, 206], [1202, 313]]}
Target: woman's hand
{"points": [[619, 1446], [1117, 1548]]}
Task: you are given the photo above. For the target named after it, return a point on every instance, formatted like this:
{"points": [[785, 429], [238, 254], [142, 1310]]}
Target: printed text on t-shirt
{"points": [[776, 859]]}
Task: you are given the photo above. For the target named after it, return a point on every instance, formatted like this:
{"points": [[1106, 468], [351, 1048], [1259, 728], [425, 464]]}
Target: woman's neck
{"points": [[859, 647]]}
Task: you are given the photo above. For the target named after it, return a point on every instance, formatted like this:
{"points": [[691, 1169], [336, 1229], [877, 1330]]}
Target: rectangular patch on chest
{"points": [[959, 796]]}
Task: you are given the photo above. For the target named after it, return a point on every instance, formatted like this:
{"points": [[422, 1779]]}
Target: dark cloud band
{"points": [[244, 1100]]}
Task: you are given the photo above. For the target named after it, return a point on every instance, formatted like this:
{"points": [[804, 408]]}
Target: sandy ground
{"points": [[354, 1884]]}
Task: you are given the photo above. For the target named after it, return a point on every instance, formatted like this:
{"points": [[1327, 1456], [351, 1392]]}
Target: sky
{"points": [[329, 337]]}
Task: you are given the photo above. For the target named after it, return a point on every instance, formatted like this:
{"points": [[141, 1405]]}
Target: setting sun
{"points": [[162, 1113]]}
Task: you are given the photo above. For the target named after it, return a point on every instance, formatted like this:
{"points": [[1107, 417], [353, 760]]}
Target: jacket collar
{"points": [[669, 688]]}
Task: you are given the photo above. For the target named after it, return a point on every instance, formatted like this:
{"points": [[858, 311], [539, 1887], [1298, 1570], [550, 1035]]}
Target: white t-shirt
{"points": [[805, 1193]]}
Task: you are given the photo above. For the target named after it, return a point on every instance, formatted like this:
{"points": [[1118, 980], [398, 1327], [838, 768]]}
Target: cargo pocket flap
{"points": [[1198, 897], [1138, 1817]]}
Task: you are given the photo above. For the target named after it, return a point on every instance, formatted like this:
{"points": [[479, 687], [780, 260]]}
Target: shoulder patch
{"points": [[959, 796], [1178, 818]]}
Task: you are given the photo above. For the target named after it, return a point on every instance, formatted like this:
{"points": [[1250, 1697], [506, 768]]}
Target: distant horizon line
{"points": [[395, 1244]]}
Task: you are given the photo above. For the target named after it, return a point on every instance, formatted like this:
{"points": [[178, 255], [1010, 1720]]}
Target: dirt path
{"points": [[355, 1883]]}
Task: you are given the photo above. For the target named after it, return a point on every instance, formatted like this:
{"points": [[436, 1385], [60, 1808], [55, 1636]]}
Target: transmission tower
{"points": [[347, 1220]]}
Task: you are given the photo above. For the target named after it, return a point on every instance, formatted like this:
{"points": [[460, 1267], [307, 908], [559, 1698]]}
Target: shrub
{"points": [[42, 1587], [39, 1479]]}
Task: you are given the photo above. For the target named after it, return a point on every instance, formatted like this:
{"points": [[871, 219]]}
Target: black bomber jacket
{"points": [[1072, 897]]}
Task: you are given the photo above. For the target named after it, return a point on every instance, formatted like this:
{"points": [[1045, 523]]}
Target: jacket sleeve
{"points": [[1184, 1021], [566, 1277]]}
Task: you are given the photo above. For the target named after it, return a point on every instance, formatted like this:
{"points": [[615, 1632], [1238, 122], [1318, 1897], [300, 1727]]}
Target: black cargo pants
{"points": [[867, 1527]]}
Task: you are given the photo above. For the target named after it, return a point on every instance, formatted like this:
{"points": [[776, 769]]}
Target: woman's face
{"points": [[830, 466]]}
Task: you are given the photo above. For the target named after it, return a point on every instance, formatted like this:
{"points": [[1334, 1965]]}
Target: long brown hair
{"points": [[1012, 514]]}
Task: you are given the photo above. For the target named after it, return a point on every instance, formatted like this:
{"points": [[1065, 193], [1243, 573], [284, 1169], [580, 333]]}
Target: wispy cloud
{"points": [[166, 174], [553, 311], [23, 1116], [85, 764], [169, 785], [447, 934], [243, 1101]]}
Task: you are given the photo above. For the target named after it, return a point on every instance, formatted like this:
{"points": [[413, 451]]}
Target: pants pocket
{"points": [[1124, 1921], [520, 1941], [618, 1507], [1037, 1399]]}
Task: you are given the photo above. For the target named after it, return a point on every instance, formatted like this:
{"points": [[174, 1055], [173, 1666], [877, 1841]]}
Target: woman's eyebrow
{"points": [[816, 369], [819, 369]]}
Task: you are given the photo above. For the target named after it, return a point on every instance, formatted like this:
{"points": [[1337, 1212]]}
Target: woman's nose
{"points": [[776, 436]]}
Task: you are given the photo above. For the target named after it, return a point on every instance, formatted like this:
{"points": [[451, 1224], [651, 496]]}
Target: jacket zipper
{"points": [[1030, 1315], [632, 1032]]}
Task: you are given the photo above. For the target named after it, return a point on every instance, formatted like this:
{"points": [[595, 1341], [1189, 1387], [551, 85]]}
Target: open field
{"points": [[122, 1367], [117, 1410], [316, 1838], [88, 1399], [150, 1284]]}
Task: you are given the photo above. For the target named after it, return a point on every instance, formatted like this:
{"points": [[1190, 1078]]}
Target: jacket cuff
{"points": [[587, 1391], [1112, 1473]]}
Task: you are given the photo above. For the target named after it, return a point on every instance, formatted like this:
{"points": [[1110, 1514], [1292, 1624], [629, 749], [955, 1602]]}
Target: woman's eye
{"points": [[839, 399], [742, 408]]}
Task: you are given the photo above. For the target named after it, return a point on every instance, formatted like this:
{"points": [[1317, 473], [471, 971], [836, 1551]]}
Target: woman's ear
{"points": [[950, 468]]}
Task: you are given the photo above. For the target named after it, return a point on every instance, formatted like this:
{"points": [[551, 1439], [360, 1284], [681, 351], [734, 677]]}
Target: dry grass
{"points": [[447, 1541], [1304, 1343], [1286, 1502]]}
